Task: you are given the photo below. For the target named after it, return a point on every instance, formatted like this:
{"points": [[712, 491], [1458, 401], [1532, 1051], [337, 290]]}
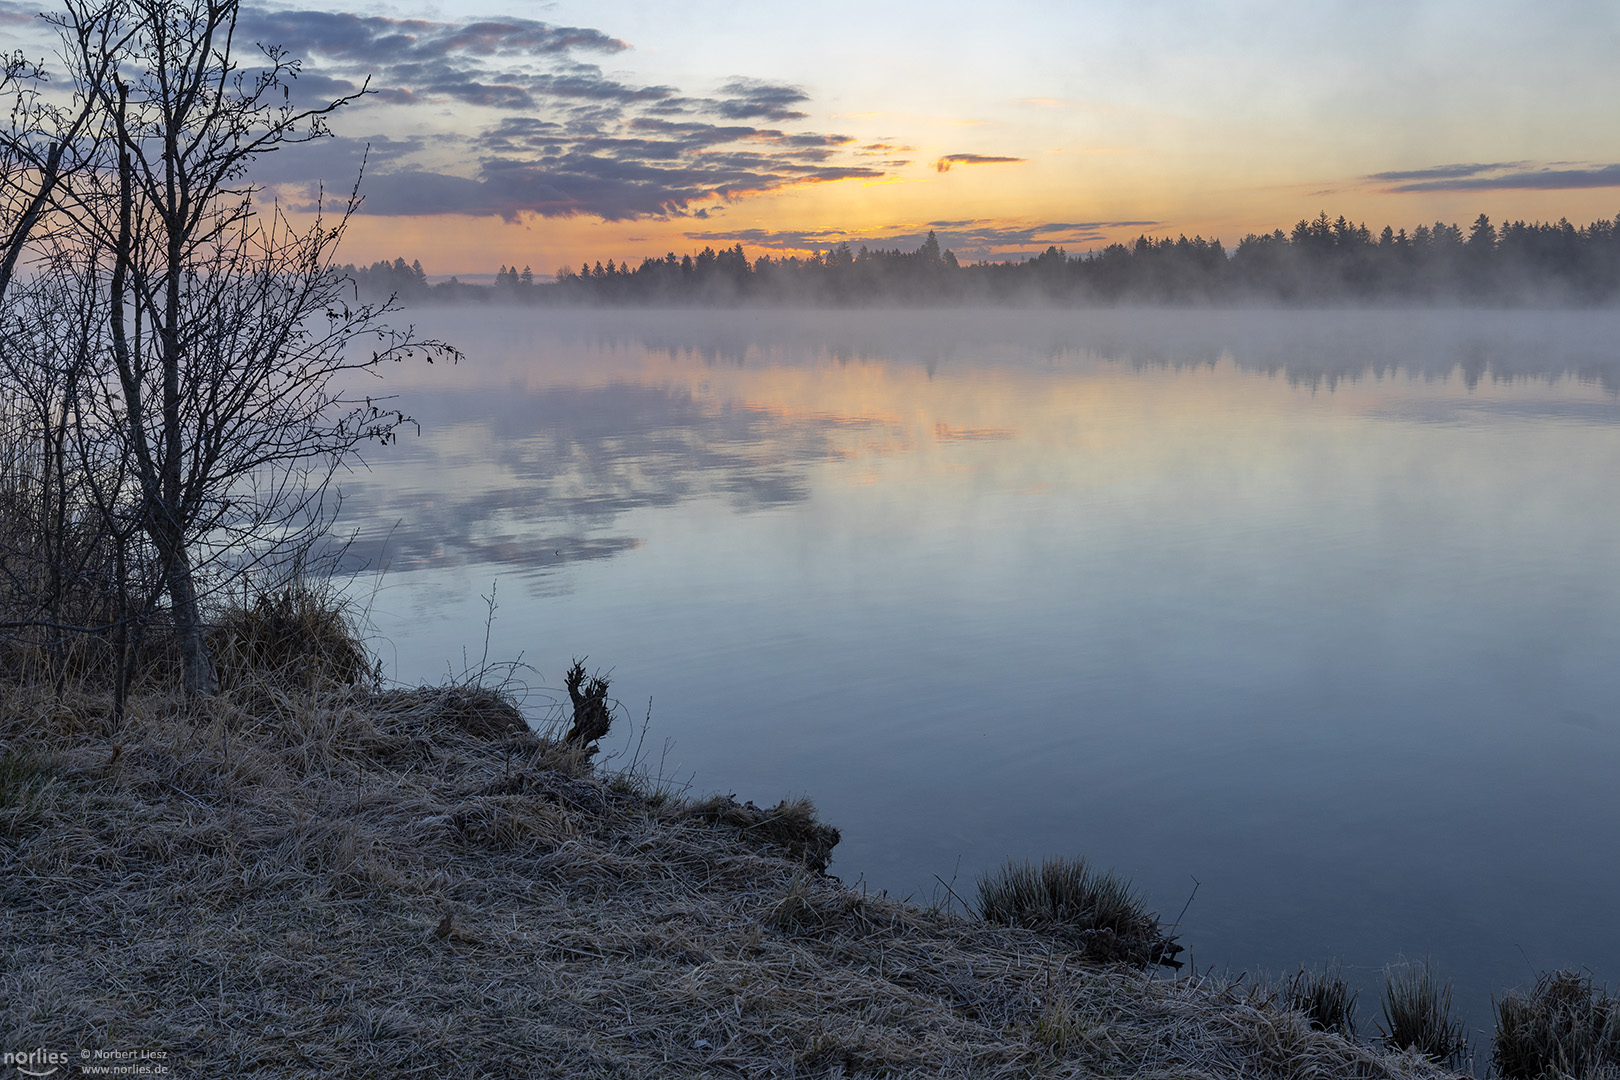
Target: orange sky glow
{"points": [[551, 134]]}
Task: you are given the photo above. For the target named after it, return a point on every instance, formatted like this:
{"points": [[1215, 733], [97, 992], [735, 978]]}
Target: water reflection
{"points": [[541, 478], [560, 424], [1320, 608], [1312, 349]]}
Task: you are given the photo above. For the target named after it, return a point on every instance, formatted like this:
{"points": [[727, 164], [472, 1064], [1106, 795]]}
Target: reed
{"points": [[1325, 998], [1417, 1014]]}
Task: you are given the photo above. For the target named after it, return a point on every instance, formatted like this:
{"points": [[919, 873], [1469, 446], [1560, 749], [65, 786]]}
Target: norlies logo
{"points": [[40, 1062]]}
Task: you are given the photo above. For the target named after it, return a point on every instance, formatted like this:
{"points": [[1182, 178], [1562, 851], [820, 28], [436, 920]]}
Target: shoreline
{"points": [[294, 882]]}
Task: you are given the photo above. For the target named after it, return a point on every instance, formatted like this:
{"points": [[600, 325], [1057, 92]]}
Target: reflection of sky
{"points": [[537, 446], [1187, 594]]}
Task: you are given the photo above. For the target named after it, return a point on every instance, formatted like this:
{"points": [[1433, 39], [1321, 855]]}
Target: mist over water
{"points": [[1319, 609]]}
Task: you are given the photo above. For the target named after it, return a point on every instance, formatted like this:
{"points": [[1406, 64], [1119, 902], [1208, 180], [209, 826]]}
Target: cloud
{"points": [[498, 63], [1499, 176], [377, 41], [602, 185], [945, 163], [1437, 172], [749, 98], [539, 129], [338, 161], [311, 89], [775, 239]]}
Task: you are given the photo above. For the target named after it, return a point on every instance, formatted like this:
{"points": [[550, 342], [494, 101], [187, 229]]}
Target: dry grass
{"points": [[1563, 1027], [1097, 911], [297, 633], [300, 882]]}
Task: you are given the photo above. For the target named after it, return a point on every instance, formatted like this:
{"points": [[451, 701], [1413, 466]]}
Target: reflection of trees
{"points": [[1309, 348]]}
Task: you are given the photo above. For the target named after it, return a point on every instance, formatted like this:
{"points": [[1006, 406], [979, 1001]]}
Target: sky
{"points": [[543, 134]]}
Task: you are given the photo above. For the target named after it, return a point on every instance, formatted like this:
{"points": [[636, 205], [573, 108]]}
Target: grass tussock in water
{"points": [[1325, 998], [1565, 1027], [1417, 1014], [303, 878]]}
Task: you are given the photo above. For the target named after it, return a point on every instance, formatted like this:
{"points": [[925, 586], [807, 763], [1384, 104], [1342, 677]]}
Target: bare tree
{"points": [[43, 142], [229, 346], [43, 562]]}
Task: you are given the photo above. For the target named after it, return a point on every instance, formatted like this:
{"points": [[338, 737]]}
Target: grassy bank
{"points": [[347, 881]]}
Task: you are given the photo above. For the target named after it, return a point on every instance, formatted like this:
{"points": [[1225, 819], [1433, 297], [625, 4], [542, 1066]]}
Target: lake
{"points": [[1320, 610]]}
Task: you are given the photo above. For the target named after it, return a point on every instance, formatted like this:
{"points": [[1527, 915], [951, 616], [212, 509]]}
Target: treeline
{"points": [[383, 279], [1319, 261]]}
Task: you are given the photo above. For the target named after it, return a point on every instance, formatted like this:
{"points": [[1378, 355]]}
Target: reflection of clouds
{"points": [[541, 478], [563, 423]]}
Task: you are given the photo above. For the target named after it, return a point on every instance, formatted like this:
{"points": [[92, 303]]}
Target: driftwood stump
{"points": [[591, 716]]}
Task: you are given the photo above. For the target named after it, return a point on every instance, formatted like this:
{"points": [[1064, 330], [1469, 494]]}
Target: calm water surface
{"points": [[1320, 610]]}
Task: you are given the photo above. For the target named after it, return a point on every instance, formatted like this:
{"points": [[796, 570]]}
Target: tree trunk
{"points": [[196, 663], [160, 475]]}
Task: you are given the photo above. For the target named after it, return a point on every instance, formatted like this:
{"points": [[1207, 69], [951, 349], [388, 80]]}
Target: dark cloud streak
{"points": [[1499, 176], [1444, 172], [978, 237], [945, 163], [377, 41], [573, 184]]}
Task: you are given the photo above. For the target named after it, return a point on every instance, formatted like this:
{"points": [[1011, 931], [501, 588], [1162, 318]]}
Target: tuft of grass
{"points": [[1417, 1015], [790, 825], [1063, 1027], [796, 910], [1057, 1027], [1325, 999], [1563, 1027], [22, 785], [1099, 909], [300, 633]]}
